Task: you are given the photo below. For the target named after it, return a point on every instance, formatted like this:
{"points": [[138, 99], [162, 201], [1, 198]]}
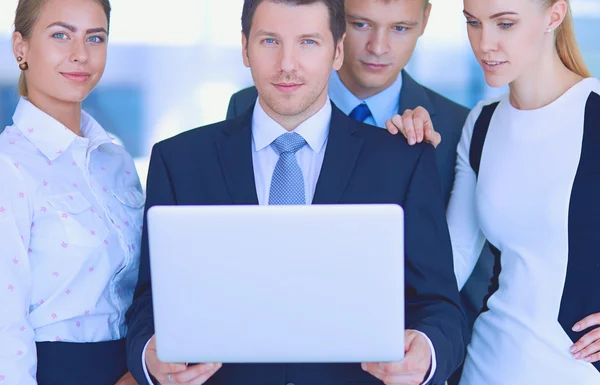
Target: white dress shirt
{"points": [[70, 228]]}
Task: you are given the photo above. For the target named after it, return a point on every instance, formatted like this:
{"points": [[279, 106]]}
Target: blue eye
{"points": [[60, 35], [360, 25], [95, 39], [400, 28], [310, 42], [269, 41], [473, 23], [506, 25]]}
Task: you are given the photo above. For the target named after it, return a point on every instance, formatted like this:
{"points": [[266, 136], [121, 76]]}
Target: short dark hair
{"points": [[337, 16]]}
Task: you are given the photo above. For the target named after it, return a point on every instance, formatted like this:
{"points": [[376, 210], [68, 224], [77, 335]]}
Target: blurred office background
{"points": [[174, 64]]}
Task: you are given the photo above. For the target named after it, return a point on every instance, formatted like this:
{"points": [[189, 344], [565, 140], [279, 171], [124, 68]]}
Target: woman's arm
{"points": [[463, 222], [18, 360]]}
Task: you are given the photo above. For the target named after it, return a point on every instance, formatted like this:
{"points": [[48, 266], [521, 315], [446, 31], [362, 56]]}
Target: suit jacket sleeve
{"points": [[139, 316], [432, 299]]}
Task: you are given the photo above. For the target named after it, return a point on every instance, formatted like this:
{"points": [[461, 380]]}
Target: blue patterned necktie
{"points": [[360, 112], [287, 184]]}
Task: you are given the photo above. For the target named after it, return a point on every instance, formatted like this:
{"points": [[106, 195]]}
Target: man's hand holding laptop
{"points": [[177, 373]]}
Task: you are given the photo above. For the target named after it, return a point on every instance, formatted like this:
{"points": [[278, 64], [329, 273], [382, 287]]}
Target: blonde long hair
{"points": [[27, 14], [566, 43]]}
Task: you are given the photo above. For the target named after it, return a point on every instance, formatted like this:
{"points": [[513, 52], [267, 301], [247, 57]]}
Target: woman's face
{"points": [[66, 52], [509, 37]]}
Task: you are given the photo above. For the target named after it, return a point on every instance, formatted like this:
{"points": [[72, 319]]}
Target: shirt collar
{"points": [[314, 130], [381, 104], [50, 136]]}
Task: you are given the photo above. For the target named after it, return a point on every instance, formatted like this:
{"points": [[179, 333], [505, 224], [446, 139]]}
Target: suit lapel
{"points": [[413, 95], [341, 154], [235, 155]]}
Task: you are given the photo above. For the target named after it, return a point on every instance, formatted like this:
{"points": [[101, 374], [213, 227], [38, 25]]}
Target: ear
{"points": [[426, 14], [338, 58], [558, 12], [245, 50], [20, 46]]}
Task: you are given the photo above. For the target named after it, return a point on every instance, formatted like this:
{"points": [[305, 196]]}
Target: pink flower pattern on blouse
{"points": [[65, 250]]}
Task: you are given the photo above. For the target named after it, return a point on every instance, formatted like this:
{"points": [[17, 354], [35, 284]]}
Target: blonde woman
{"points": [[528, 181], [70, 208]]}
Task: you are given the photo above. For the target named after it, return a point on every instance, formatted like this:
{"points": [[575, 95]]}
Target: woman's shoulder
{"points": [[476, 113], [594, 85], [13, 145], [11, 171]]}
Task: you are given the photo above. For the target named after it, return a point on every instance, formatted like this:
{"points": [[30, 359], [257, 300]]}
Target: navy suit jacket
{"points": [[447, 117], [213, 166]]}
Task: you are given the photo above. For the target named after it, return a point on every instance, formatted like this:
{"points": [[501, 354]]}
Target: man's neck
{"points": [[291, 122], [361, 92]]}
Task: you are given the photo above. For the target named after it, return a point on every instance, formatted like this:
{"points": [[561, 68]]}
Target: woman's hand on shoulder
{"points": [[415, 125]]}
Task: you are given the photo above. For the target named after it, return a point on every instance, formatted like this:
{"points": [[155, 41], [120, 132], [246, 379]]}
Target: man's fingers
{"points": [[589, 321], [203, 377], [374, 370], [193, 372], [393, 373], [161, 370]]}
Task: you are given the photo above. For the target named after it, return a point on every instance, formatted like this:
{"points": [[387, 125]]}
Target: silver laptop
{"points": [[272, 284]]}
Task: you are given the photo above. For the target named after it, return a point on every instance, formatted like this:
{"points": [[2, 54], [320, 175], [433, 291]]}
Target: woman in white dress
{"points": [[528, 181]]}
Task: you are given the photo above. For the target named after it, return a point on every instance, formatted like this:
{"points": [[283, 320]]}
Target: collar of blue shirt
{"points": [[314, 130], [382, 105], [50, 136]]}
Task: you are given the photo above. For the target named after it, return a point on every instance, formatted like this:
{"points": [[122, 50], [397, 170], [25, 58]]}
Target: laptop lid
{"points": [[250, 284]]}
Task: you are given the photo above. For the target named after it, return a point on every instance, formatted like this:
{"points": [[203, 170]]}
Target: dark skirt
{"points": [[63, 363]]}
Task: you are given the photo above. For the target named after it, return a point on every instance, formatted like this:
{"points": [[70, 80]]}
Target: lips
{"points": [[287, 87], [375, 66], [492, 65], [78, 77]]}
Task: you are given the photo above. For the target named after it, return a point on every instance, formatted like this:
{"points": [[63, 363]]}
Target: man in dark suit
{"points": [[385, 32], [381, 31], [296, 147]]}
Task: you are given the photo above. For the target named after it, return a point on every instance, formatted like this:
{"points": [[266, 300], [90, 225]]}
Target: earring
{"points": [[549, 30], [22, 66]]}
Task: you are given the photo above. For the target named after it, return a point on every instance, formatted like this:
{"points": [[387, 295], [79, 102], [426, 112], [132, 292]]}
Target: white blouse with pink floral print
{"points": [[70, 227]]}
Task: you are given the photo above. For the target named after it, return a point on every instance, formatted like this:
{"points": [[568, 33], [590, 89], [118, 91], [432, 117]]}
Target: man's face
{"points": [[380, 40], [291, 52]]}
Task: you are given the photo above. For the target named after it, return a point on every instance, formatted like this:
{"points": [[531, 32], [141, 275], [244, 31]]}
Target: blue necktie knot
{"points": [[360, 112], [290, 142]]}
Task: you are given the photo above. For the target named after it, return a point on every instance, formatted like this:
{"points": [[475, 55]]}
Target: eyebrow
{"points": [[494, 16], [410, 23], [73, 29], [262, 32], [315, 35], [312, 36]]}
